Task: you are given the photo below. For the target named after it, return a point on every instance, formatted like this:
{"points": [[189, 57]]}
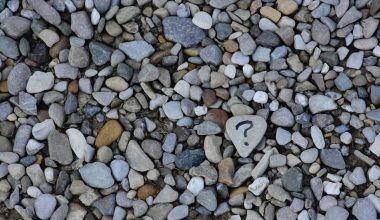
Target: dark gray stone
{"points": [[189, 158]]}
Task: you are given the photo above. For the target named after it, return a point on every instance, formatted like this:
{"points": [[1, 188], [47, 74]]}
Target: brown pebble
{"points": [[226, 171], [218, 116], [42, 115], [231, 46], [208, 97], [3, 86], [109, 133], [73, 87], [147, 190]]}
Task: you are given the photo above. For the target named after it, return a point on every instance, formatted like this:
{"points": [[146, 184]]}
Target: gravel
{"points": [[180, 110]]}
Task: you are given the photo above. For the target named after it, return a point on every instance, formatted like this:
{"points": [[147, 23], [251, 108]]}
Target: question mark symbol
{"points": [[246, 130]]}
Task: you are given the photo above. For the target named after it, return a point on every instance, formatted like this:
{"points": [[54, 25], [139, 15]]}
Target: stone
{"points": [[46, 11], [8, 47], [65, 70], [211, 55], [221, 4], [246, 132], [173, 110], [292, 179], [332, 158], [207, 199], [286, 213], [287, 7], [195, 185], [119, 169], [97, 175], [109, 133], [18, 78], [309, 155], [202, 20], [101, 53], [136, 157], [15, 26], [317, 137], [126, 14], [183, 31], [44, 206], [320, 32], [349, 17], [79, 57], [42, 130], [5, 110], [259, 185], [336, 212], [375, 147], [189, 158], [49, 37], [355, 60], [148, 73], [212, 148], [59, 148], [283, 118], [39, 82], [81, 25], [166, 195], [363, 209], [106, 205], [357, 176], [321, 103], [178, 212], [137, 50], [22, 136], [77, 142]]}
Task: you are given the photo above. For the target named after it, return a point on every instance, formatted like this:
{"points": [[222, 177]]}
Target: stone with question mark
{"points": [[246, 132]]}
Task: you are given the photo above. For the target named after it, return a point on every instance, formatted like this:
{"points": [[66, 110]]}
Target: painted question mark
{"points": [[246, 130]]}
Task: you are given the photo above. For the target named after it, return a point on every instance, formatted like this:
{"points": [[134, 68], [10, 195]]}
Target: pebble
{"points": [[292, 180], [44, 206], [283, 118], [202, 20], [189, 158], [81, 25], [332, 158], [18, 78], [136, 157], [336, 212], [97, 175], [245, 141], [182, 30], [39, 82], [363, 209], [46, 11], [77, 142], [321, 103], [259, 185], [59, 148], [100, 53], [137, 50], [15, 26], [109, 133], [42, 130], [211, 55]]}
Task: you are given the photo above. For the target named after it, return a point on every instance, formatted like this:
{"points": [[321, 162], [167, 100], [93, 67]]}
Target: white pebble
{"points": [[95, 17], [247, 70], [195, 185], [260, 97], [230, 71], [200, 110], [202, 20], [259, 185]]}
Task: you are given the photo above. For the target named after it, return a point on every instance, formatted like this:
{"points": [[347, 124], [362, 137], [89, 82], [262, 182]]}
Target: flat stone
{"points": [[44, 206], [137, 50], [286, 213], [42, 130], [27, 103], [320, 32], [77, 142], [39, 82], [207, 199], [321, 103], [283, 118], [15, 26], [336, 212], [81, 25], [101, 53], [104, 98], [5, 110], [166, 195], [46, 11], [126, 14], [136, 157], [18, 78], [363, 209], [183, 31], [22, 136], [97, 175], [292, 179], [148, 73], [49, 37], [355, 60], [375, 146], [189, 158], [173, 110], [211, 55], [259, 185], [79, 57], [221, 4], [106, 205], [120, 169], [246, 132], [202, 20], [178, 212], [59, 148], [8, 47], [332, 158], [65, 70], [349, 17]]}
